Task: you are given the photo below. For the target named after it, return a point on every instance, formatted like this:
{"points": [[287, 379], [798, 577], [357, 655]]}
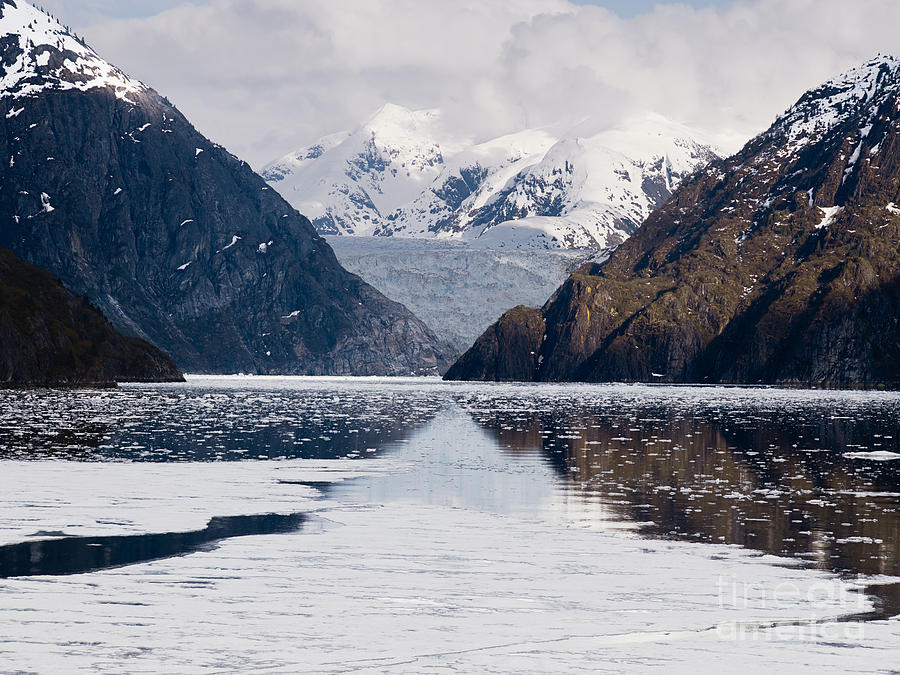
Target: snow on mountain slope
{"points": [[591, 192], [38, 54], [289, 164], [347, 183], [822, 109], [541, 188], [468, 180]]}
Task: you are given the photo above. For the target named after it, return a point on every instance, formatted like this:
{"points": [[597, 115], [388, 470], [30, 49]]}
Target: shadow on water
{"points": [[324, 488], [77, 555]]}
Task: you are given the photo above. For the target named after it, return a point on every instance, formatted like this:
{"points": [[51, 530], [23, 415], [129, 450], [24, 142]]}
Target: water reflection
{"points": [[769, 469], [769, 474]]}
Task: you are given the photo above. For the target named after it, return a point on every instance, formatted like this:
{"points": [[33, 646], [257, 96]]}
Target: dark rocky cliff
{"points": [[778, 265], [50, 337], [106, 184], [507, 351]]}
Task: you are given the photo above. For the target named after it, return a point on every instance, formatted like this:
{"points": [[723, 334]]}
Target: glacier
{"points": [[458, 289]]}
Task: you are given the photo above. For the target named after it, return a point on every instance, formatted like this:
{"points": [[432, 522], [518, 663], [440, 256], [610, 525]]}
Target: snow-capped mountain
{"points": [[778, 265], [398, 175], [828, 106], [467, 181], [38, 54], [105, 184], [346, 182]]}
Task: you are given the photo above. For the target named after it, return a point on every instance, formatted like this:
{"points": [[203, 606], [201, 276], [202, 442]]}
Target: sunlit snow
{"points": [[39, 37]]}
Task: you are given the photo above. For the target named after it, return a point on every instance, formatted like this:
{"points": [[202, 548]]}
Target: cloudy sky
{"points": [[264, 77]]}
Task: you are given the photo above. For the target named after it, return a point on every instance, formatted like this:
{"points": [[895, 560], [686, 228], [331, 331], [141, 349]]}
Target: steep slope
{"points": [[778, 265], [398, 176], [107, 185], [48, 336]]}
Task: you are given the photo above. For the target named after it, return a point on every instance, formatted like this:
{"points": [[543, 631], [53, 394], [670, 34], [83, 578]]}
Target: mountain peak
{"points": [[778, 265], [392, 113], [38, 54], [824, 108], [395, 125]]}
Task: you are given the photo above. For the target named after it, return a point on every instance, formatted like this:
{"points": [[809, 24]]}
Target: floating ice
{"points": [[876, 455]]}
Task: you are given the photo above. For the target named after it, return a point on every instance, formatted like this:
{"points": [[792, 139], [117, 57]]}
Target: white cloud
{"points": [[265, 77], [79, 13]]}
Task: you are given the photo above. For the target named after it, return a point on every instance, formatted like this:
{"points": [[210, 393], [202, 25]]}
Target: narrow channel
{"points": [[77, 555]]}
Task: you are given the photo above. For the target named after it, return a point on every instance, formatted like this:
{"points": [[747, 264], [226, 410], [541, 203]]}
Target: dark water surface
{"points": [[810, 475], [76, 555], [230, 420], [790, 473]]}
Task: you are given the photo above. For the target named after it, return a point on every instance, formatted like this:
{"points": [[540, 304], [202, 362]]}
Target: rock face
{"points": [[507, 351], [50, 337], [104, 183], [400, 175], [778, 265]]}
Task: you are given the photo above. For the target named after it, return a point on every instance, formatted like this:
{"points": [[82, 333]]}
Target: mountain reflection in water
{"points": [[770, 475]]}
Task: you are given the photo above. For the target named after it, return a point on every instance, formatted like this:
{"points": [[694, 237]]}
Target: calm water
{"points": [[78, 555], [804, 474]]}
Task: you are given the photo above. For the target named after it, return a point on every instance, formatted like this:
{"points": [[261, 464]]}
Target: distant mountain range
{"points": [[398, 175], [778, 265], [104, 183]]}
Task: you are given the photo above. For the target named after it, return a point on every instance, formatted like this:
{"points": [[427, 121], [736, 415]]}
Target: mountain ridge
{"points": [[400, 174], [778, 265]]}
